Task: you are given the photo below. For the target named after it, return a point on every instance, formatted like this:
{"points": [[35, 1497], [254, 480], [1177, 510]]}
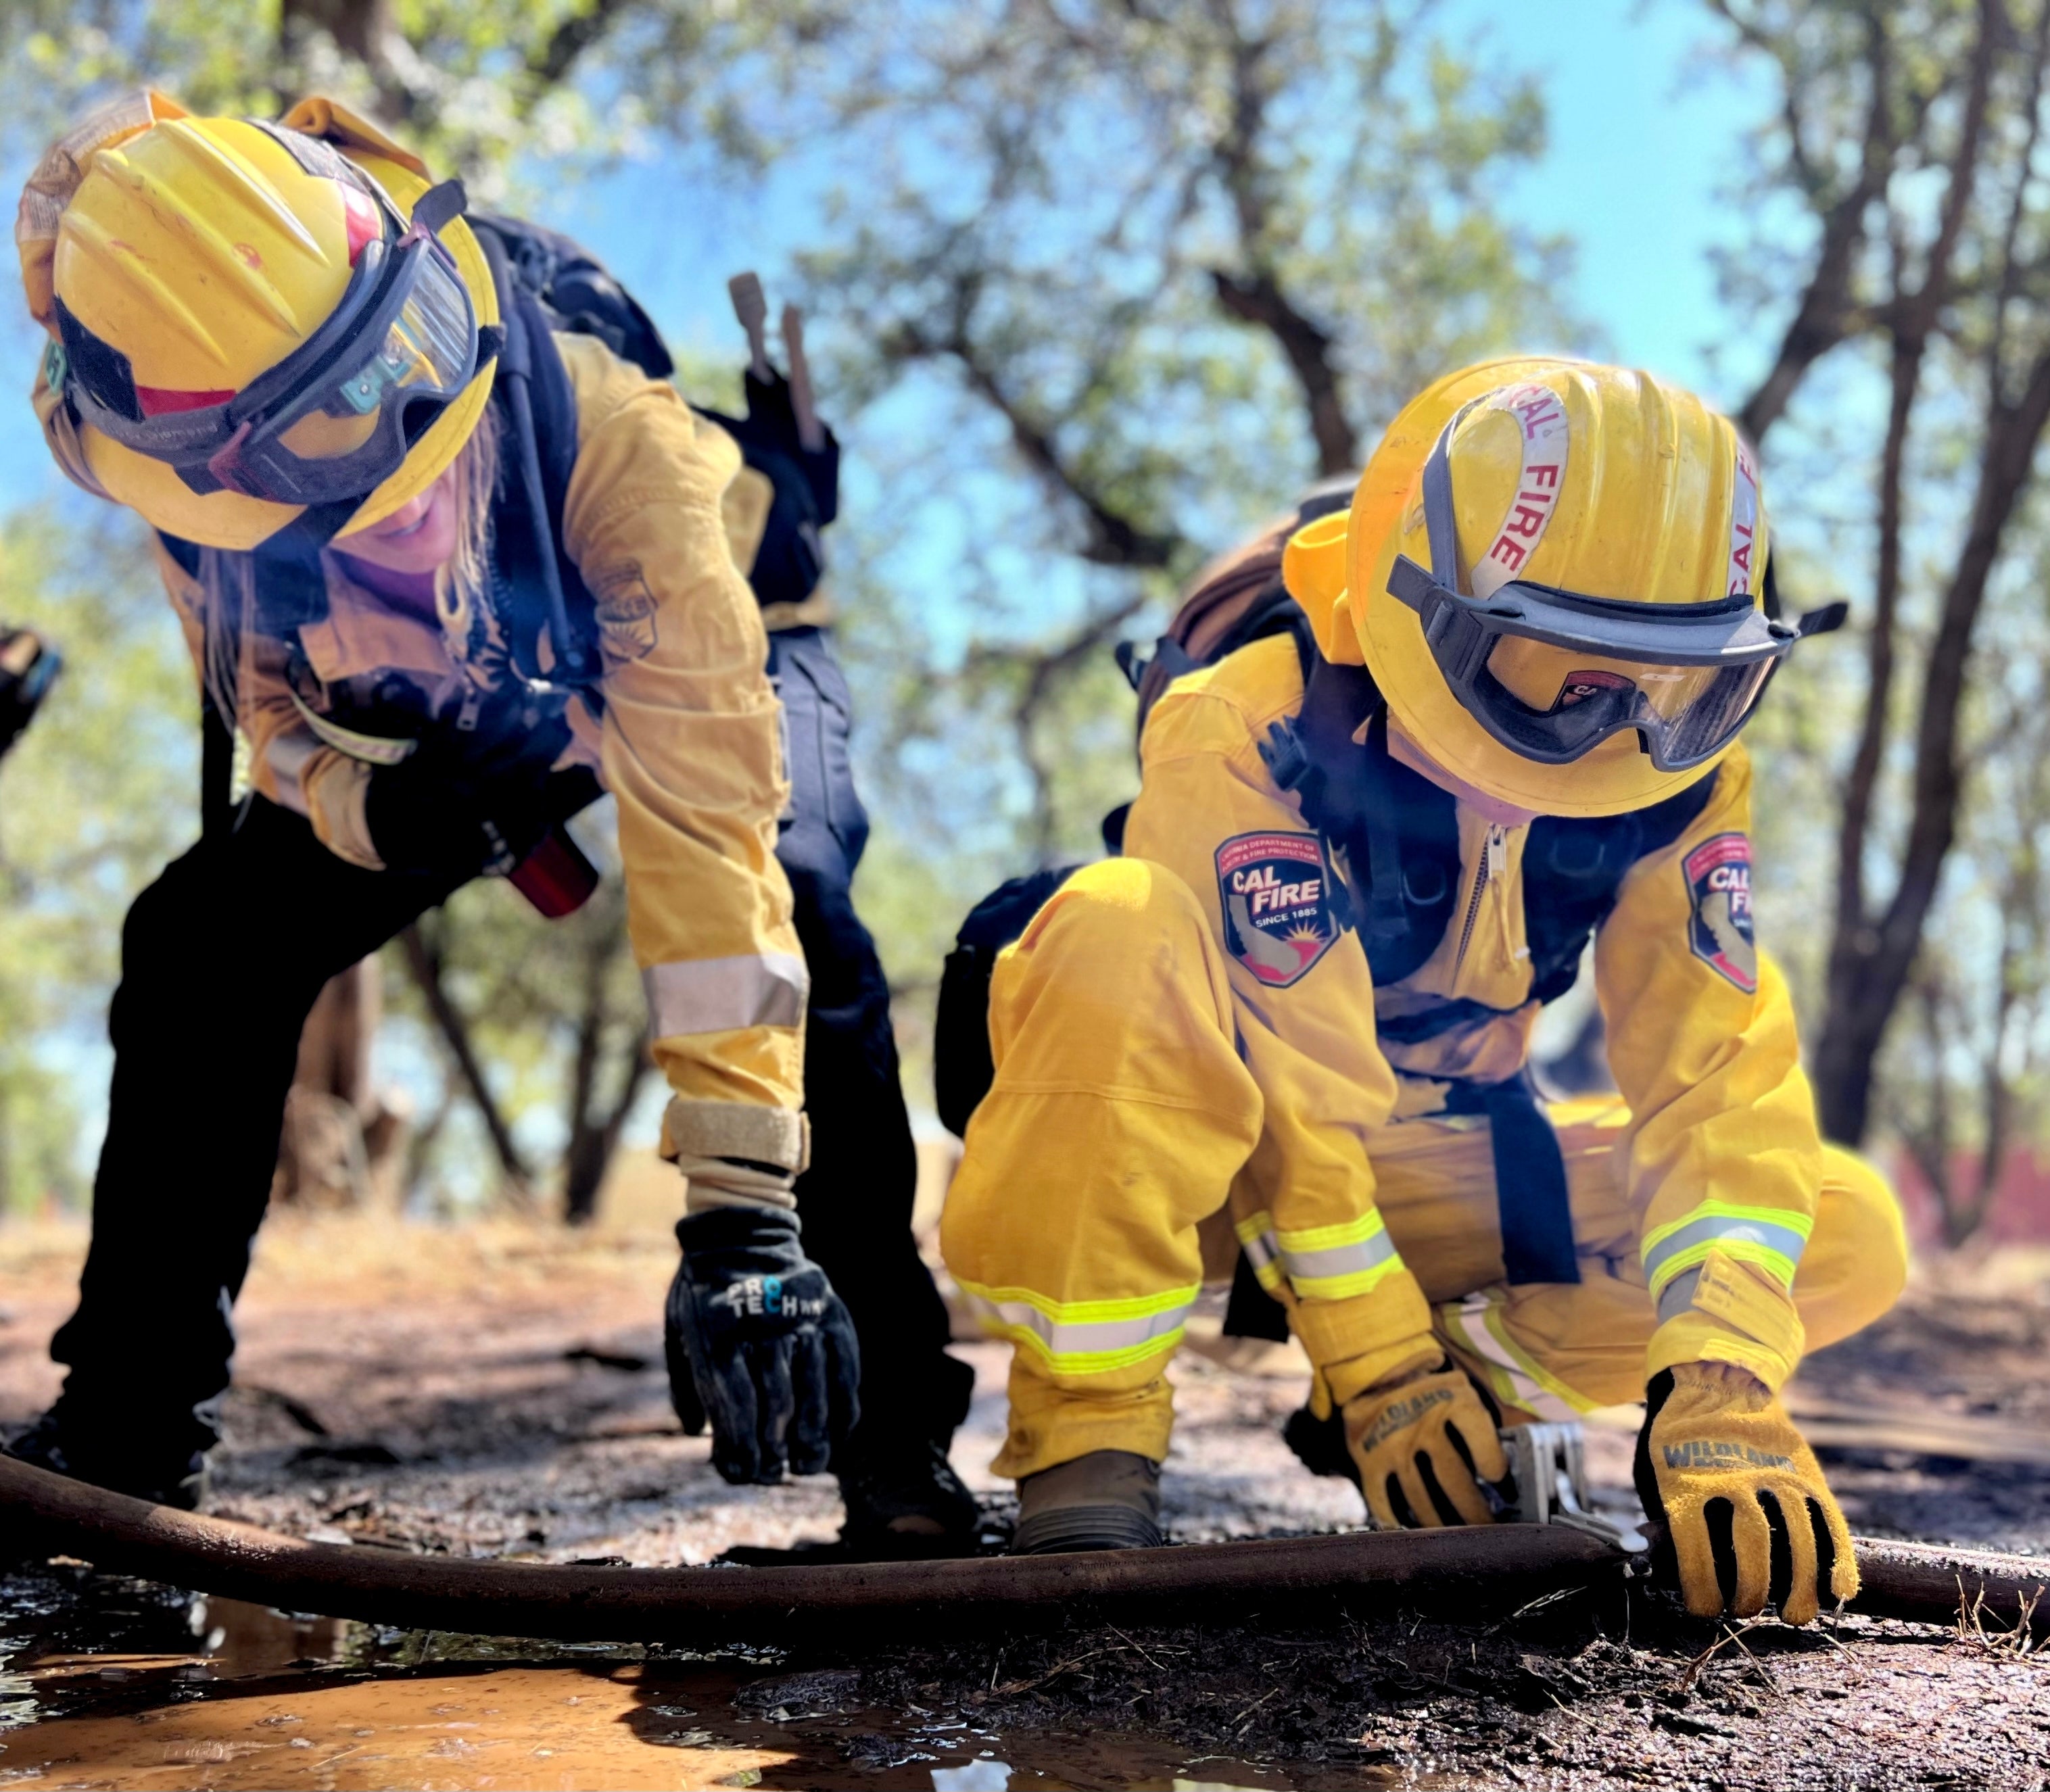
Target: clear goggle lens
{"points": [[425, 351]]}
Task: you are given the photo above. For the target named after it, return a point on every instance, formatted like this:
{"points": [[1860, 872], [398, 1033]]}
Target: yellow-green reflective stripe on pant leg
{"points": [[1325, 1263], [1263, 1251], [1084, 1337], [1337, 1262], [1769, 1237], [1476, 1324]]}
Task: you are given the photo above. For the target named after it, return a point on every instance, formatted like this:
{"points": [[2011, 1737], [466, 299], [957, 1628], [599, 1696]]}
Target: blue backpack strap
{"points": [[1398, 832], [544, 593]]}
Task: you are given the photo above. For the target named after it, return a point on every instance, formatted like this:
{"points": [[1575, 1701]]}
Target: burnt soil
{"points": [[497, 1389]]}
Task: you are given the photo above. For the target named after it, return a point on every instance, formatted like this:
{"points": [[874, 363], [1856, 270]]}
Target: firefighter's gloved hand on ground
{"points": [[27, 667], [469, 798], [1423, 1443], [758, 1340], [1742, 1495]]}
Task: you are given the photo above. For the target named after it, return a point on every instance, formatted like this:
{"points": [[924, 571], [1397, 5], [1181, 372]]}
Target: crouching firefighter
{"points": [[1303, 1003], [449, 567]]}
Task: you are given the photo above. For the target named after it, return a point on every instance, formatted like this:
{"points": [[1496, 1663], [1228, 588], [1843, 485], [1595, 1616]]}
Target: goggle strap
{"points": [[1440, 519], [439, 206], [225, 462], [1826, 621]]}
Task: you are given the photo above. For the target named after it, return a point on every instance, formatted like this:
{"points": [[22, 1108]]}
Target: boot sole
{"points": [[1070, 1530]]}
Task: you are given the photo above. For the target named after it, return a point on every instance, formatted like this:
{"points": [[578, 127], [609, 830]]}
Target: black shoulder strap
{"points": [[1399, 833], [545, 592]]}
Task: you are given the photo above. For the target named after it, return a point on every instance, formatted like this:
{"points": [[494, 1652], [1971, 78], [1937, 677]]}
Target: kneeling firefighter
{"points": [[450, 567], [1302, 1004]]}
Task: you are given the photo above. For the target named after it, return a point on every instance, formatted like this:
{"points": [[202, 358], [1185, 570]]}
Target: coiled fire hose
{"points": [[1481, 1569]]}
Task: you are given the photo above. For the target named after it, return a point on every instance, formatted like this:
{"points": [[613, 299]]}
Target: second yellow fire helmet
{"points": [[1556, 573], [252, 322]]}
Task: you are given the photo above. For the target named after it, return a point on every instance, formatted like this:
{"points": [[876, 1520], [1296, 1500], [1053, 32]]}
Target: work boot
{"points": [[1109, 1499], [169, 1477], [906, 1502]]}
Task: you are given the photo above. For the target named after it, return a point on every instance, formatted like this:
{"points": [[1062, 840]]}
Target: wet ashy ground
{"points": [[497, 1390]]}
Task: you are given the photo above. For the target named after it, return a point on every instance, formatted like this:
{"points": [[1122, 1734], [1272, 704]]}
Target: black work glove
{"points": [[756, 1336], [27, 669], [469, 799]]}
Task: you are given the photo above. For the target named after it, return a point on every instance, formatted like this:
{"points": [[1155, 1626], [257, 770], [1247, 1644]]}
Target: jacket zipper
{"points": [[1491, 866]]}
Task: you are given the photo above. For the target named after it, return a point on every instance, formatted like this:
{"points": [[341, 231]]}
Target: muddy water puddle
{"points": [[117, 1683]]}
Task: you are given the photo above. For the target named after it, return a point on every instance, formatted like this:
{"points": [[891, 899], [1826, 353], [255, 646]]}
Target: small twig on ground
{"points": [[1163, 1648], [1244, 1719], [1538, 1604], [1736, 1637], [1585, 1723], [1700, 1661], [1059, 1667], [2020, 1641]]}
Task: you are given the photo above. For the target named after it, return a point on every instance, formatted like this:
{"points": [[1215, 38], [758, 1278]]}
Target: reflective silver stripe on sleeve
{"points": [[1260, 1250], [719, 994], [1717, 1229], [1679, 1295]]}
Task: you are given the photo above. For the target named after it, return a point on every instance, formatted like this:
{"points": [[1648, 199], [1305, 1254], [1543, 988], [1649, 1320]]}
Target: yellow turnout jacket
{"points": [[688, 745], [1722, 1148]]}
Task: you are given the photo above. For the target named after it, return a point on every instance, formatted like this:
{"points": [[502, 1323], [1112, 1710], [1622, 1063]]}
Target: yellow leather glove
{"points": [[1422, 1443], [1716, 1441]]}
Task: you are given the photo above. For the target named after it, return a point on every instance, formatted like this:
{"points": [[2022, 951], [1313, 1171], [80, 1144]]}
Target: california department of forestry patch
{"points": [[1276, 894], [626, 614], [1718, 875]]}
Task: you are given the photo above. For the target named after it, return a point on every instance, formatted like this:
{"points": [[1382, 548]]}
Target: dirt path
{"points": [[497, 1390]]}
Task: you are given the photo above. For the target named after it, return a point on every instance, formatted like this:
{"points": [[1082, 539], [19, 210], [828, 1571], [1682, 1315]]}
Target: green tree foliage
{"points": [[473, 82], [1112, 284]]}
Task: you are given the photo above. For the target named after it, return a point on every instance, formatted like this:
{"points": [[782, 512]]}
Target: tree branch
{"points": [[1256, 297], [1114, 539], [550, 60], [1827, 314], [424, 961]]}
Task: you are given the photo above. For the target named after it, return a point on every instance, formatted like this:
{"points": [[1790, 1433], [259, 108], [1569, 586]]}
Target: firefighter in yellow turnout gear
{"points": [[1301, 1005]]}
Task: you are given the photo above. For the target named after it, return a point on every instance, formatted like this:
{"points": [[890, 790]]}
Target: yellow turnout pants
{"points": [[1122, 1119]]}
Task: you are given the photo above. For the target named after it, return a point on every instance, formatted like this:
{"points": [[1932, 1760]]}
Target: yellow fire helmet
{"points": [[252, 321], [1556, 573]]}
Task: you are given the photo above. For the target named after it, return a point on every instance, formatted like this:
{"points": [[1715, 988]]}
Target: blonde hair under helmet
{"points": [[1638, 492], [203, 252]]}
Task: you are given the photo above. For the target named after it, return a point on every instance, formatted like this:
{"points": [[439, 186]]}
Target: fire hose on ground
{"points": [[1480, 1569]]}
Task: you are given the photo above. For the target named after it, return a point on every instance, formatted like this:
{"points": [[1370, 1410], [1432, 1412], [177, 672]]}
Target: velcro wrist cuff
{"points": [[713, 1181], [1728, 1311], [1697, 1337], [736, 1129], [1366, 1338]]}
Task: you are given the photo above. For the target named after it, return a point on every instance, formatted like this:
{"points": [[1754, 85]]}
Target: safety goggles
{"points": [[1551, 673], [337, 417]]}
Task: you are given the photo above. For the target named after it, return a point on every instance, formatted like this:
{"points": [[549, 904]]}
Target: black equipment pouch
{"points": [[963, 1067]]}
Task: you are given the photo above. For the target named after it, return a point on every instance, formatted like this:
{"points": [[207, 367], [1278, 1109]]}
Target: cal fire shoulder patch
{"points": [[1719, 928], [1276, 893], [625, 613]]}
